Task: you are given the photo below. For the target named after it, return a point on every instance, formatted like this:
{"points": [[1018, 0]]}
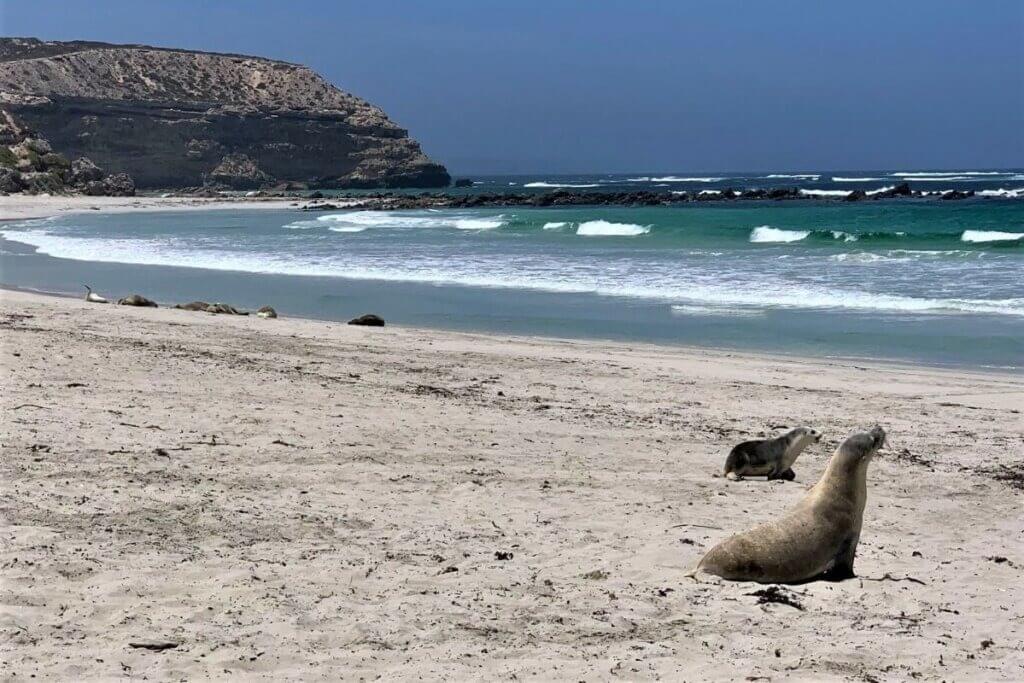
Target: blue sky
{"points": [[615, 86]]}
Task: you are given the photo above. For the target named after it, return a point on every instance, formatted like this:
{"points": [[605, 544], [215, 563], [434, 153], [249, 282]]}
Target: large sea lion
{"points": [[136, 300], [818, 538], [771, 457]]}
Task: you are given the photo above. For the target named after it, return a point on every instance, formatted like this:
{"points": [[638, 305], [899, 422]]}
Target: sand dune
{"points": [[190, 496]]}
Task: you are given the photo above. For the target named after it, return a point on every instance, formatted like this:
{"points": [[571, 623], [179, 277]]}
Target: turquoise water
{"points": [[934, 281]]}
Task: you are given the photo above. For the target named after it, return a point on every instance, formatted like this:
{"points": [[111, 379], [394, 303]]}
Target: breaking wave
{"points": [[357, 221], [609, 229], [542, 183], [766, 233], [990, 236]]}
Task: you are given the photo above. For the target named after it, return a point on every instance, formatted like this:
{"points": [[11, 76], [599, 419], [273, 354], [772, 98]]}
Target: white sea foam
{"points": [[357, 221], [675, 287], [825, 193], [880, 190], [727, 311], [936, 174], [608, 229], [952, 179], [845, 236], [557, 225], [1002, 192], [990, 236], [766, 233], [673, 179], [859, 257], [541, 183], [841, 179], [800, 176]]}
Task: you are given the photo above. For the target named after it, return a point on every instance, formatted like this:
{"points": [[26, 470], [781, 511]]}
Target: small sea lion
{"points": [[92, 297], [193, 306], [136, 300], [369, 320], [225, 309], [266, 312], [771, 457], [818, 538]]}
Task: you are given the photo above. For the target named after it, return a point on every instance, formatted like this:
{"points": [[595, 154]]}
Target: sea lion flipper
{"points": [[842, 566], [788, 475]]}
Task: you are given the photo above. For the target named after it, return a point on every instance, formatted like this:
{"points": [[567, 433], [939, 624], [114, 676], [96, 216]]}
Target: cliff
{"points": [[176, 118]]}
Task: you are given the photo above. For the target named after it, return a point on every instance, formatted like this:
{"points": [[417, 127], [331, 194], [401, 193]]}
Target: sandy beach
{"points": [[191, 496], [23, 207]]}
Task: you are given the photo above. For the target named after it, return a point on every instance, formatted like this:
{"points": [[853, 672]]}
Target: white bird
{"points": [[93, 298]]}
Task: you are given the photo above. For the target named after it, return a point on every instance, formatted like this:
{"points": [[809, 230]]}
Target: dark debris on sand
{"points": [[776, 594]]}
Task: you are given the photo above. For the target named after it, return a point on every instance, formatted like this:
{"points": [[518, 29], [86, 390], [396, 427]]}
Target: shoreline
{"points": [[43, 207], [611, 344], [274, 495]]}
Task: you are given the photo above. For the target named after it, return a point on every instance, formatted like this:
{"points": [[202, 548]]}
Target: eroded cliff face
{"points": [[175, 118]]}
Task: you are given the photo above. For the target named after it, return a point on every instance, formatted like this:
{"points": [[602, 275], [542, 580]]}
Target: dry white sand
{"points": [[289, 499], [22, 207]]}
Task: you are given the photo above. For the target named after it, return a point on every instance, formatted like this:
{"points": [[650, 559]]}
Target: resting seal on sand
{"points": [[211, 308], [136, 300], [266, 312], [369, 320], [771, 457], [818, 538]]}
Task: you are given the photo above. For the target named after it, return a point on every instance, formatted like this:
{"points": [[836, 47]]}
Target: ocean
{"points": [[925, 280]]}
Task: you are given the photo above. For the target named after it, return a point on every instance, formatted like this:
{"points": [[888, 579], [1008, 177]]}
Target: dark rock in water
{"points": [[728, 193], [783, 193], [174, 118], [463, 182], [957, 194], [856, 196], [370, 320], [266, 312], [902, 190], [316, 195], [136, 300]]}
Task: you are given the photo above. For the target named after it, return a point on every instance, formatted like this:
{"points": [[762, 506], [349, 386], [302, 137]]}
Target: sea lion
{"points": [[369, 320], [818, 538], [226, 309], [266, 312], [92, 297], [211, 308], [136, 300], [193, 306], [771, 457]]}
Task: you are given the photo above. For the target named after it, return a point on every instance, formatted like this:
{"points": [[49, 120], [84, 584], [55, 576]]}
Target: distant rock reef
{"points": [[176, 118]]}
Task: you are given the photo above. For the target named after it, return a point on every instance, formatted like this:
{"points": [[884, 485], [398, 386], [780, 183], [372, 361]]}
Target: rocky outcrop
{"points": [[176, 118], [29, 164]]}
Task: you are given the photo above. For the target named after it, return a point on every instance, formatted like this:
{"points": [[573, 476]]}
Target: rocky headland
{"points": [[177, 118]]}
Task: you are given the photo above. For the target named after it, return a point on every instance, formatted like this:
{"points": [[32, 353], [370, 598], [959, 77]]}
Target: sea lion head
{"points": [[861, 447], [805, 435]]}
